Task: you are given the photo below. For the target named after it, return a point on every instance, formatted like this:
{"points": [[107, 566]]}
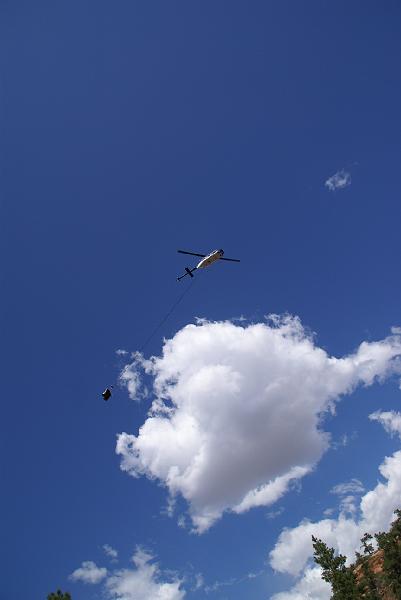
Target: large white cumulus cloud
{"points": [[236, 415]]}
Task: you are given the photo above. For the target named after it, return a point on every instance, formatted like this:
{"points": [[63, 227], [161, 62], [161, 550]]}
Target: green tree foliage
{"points": [[368, 548], [59, 595], [390, 543], [368, 585], [334, 571]]}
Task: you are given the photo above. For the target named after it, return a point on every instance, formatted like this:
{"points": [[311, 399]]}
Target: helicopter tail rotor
{"points": [[188, 272]]}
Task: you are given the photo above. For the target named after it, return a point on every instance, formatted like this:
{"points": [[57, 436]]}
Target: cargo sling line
{"points": [[176, 303]]}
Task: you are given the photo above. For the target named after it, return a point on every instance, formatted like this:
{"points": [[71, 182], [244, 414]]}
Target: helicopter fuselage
{"points": [[210, 259]]}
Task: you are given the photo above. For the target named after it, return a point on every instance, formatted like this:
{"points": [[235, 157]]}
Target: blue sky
{"points": [[130, 130]]}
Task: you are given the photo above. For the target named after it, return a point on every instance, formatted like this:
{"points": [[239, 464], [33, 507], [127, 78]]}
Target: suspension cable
{"points": [[174, 306]]}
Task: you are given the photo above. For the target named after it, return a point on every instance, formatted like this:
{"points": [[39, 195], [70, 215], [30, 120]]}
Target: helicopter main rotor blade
{"points": [[231, 259], [192, 253]]}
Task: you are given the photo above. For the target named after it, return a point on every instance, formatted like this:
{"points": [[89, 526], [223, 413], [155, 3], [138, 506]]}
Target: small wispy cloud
{"points": [[182, 522], [338, 181], [275, 513], [89, 572], [341, 442], [110, 552], [348, 504], [121, 352], [217, 585], [350, 487], [240, 319], [391, 421], [199, 582]]}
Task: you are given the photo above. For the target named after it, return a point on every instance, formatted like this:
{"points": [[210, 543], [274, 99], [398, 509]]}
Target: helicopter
{"points": [[207, 260]]}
